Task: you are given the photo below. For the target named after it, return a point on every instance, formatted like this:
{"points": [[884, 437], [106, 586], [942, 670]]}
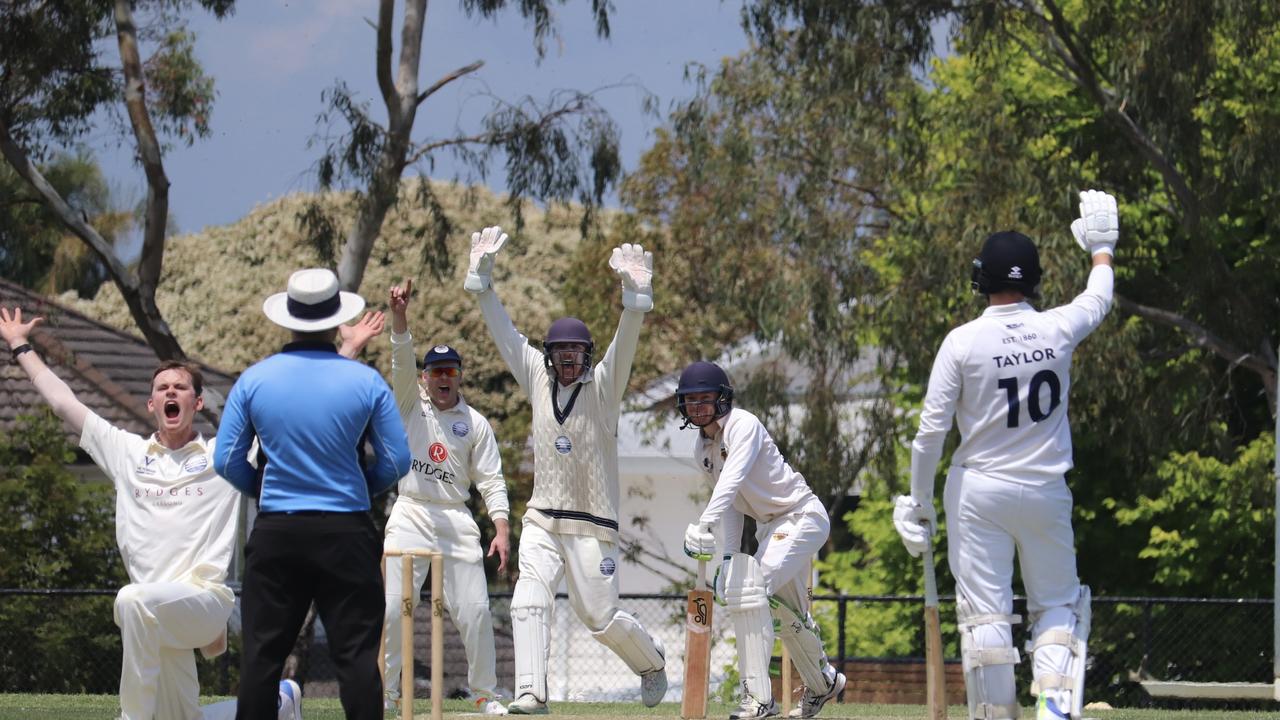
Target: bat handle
{"points": [[702, 574], [930, 579]]}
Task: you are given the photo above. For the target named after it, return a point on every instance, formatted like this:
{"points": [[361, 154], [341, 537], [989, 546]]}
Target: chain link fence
{"points": [[65, 641]]}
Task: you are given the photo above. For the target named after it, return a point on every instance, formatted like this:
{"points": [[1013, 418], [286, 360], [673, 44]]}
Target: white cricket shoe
{"points": [[811, 703], [653, 684], [1047, 709], [289, 706], [527, 705], [753, 708], [489, 706]]}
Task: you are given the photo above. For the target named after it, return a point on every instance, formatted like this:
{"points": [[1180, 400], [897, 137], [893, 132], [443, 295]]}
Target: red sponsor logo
{"points": [[437, 453]]}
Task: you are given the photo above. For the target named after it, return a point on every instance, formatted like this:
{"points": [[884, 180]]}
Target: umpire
{"points": [[312, 411]]}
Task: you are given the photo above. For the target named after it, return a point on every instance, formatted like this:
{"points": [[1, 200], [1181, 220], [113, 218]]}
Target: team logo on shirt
{"points": [[461, 429], [608, 567], [563, 445], [724, 453], [437, 453], [706, 464], [196, 464], [147, 467]]}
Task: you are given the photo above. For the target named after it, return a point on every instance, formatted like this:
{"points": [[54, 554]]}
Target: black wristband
{"points": [[24, 347]]}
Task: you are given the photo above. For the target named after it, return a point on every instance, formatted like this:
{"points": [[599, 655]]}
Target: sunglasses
{"points": [[444, 372]]}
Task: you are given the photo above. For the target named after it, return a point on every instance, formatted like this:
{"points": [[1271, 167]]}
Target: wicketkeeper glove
{"points": [[915, 523], [1098, 228], [635, 267], [484, 245], [699, 542]]}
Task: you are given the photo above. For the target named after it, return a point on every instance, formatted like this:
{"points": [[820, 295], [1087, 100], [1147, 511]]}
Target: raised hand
{"points": [[635, 267], [13, 329], [398, 301], [358, 334], [1098, 227], [484, 246]]}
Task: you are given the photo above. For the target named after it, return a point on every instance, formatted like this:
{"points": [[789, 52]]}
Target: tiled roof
{"points": [[109, 370]]}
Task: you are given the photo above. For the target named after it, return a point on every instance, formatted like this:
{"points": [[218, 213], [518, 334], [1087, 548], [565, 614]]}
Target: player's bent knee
{"points": [[745, 588], [624, 635]]}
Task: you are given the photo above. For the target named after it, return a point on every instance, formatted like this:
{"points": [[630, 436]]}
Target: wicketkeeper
{"points": [[571, 527], [1006, 378], [751, 478]]}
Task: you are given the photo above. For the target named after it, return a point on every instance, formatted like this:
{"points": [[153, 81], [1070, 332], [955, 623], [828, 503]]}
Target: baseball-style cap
{"points": [[439, 354]]}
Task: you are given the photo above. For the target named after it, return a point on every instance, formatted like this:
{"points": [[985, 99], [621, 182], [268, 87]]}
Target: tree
{"points": [[561, 150], [58, 533], [828, 189], [53, 81]]}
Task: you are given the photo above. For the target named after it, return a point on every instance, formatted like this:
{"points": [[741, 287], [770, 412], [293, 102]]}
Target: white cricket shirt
{"points": [[176, 519], [575, 463], [1006, 378], [451, 448], [749, 472]]}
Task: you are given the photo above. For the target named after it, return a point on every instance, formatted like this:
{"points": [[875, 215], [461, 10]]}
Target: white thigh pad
{"points": [[988, 657], [747, 600], [1059, 650], [531, 636], [625, 637], [801, 636]]}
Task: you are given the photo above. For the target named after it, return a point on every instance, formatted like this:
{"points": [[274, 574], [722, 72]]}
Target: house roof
{"points": [[109, 370]]}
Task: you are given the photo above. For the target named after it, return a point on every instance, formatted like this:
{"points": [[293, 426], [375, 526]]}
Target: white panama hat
{"points": [[312, 302]]}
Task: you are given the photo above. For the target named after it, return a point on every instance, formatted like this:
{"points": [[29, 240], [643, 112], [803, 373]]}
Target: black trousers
{"points": [[291, 560]]}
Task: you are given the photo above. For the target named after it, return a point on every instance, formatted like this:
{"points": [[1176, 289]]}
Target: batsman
{"points": [[1005, 377], [752, 478]]}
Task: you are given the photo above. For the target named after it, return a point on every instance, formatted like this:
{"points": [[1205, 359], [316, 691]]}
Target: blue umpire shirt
{"points": [[311, 409]]}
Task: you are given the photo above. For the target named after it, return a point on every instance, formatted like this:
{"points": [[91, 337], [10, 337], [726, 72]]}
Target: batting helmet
{"points": [[1008, 261], [700, 377], [564, 331]]}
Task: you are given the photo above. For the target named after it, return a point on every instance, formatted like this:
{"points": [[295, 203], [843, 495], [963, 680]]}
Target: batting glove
{"points": [[915, 523], [484, 245], [699, 542], [1098, 228], [635, 266]]}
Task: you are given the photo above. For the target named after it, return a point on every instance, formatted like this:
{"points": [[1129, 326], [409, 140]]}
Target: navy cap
{"points": [[439, 354]]}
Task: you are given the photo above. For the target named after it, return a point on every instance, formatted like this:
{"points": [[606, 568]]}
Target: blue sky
{"points": [[272, 59]]}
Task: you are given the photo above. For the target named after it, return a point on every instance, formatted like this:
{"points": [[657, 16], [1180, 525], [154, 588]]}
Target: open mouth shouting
{"points": [[172, 411]]}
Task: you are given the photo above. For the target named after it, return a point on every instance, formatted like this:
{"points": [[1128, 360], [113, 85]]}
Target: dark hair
{"points": [[197, 379]]}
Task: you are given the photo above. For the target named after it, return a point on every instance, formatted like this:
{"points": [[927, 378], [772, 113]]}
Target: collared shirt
{"points": [[176, 519], [575, 455], [311, 409], [451, 448], [748, 470], [1005, 377]]}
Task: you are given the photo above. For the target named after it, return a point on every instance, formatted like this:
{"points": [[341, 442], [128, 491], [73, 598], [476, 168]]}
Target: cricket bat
{"points": [[697, 648], [935, 676]]}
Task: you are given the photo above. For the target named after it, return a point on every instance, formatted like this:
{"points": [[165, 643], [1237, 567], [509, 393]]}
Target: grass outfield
{"points": [[104, 707]]}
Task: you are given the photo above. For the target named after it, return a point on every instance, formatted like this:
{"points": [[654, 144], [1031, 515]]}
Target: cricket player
{"points": [[751, 478], [1006, 377], [571, 527], [176, 523], [453, 447]]}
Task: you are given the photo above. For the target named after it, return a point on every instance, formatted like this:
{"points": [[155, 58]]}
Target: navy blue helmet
{"points": [[701, 377], [1008, 261], [567, 330]]}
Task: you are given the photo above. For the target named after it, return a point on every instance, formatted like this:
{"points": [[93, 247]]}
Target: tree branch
{"points": [[382, 58], [445, 80], [1204, 338]]}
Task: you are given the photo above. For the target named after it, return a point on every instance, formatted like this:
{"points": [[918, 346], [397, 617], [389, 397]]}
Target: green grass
{"points": [[104, 707]]}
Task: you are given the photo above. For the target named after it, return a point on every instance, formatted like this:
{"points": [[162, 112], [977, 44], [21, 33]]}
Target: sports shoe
{"points": [[1047, 709], [811, 703], [527, 705], [289, 706], [489, 706], [753, 708], [653, 684]]}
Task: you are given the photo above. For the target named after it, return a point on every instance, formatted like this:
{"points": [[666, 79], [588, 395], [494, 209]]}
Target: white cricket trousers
{"points": [[988, 520], [161, 624], [786, 545], [453, 531]]}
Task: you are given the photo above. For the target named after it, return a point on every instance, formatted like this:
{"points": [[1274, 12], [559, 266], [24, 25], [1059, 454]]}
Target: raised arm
{"points": [[512, 346], [358, 334], [634, 267], [404, 370], [51, 387]]}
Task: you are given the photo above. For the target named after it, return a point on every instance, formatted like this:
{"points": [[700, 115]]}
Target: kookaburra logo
{"points": [[700, 611]]}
